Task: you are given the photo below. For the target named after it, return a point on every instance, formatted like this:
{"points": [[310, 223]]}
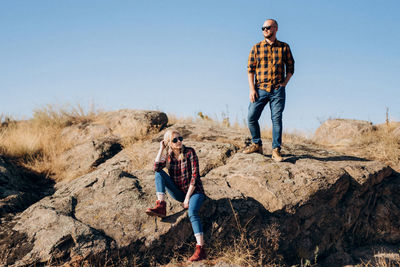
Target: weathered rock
{"points": [[19, 188], [84, 132], [318, 199], [108, 206], [134, 123], [315, 198], [341, 131], [84, 157]]}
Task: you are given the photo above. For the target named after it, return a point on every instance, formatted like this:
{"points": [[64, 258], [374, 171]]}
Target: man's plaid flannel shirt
{"points": [[268, 63], [183, 172]]}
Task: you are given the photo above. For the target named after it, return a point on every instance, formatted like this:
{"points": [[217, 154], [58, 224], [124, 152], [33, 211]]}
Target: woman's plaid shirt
{"points": [[183, 172], [268, 63]]}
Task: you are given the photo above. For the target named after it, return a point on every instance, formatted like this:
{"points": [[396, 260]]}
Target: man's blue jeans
{"points": [[276, 99], [163, 181]]}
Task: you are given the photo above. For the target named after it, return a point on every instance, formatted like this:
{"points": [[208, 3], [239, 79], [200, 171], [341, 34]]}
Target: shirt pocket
{"points": [[278, 55]]}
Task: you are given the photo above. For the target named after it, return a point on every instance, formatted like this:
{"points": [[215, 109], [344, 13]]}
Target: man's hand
{"points": [[285, 82], [281, 85], [253, 96]]}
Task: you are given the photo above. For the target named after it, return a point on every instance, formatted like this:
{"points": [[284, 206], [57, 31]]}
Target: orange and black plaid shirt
{"points": [[270, 64]]}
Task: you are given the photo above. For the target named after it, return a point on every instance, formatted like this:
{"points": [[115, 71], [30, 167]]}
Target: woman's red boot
{"points": [[199, 254], [160, 210]]}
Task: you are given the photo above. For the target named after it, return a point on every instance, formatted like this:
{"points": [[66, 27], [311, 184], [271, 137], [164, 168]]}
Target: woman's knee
{"points": [[194, 218]]}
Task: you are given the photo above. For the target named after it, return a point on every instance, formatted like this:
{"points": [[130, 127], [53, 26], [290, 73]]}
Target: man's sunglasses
{"points": [[175, 140], [266, 27]]}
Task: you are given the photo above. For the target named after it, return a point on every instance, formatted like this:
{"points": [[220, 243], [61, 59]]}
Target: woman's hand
{"points": [[162, 145], [185, 204]]}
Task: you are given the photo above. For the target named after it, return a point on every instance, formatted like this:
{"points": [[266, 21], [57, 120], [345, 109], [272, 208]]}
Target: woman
{"points": [[183, 184]]}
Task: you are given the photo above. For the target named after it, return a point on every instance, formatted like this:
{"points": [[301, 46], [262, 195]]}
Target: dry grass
{"points": [[248, 250], [383, 260], [381, 144], [139, 157], [61, 116], [36, 143], [242, 247], [173, 119]]}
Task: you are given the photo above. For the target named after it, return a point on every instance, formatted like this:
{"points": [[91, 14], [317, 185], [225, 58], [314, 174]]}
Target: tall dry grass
{"points": [[36, 143], [383, 260], [249, 250], [382, 144]]}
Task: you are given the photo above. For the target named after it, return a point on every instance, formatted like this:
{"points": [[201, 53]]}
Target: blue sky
{"points": [[183, 57]]}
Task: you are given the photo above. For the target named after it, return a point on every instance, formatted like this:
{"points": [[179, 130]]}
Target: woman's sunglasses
{"points": [[175, 140]]}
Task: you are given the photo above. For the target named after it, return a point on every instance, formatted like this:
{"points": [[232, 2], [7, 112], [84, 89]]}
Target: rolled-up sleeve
{"points": [[195, 168], [158, 166], [251, 62], [289, 60]]}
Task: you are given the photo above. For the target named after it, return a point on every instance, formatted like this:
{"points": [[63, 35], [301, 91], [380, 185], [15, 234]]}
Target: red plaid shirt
{"points": [[183, 172]]}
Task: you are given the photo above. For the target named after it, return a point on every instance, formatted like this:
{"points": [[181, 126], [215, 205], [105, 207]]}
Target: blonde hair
{"points": [[167, 140]]}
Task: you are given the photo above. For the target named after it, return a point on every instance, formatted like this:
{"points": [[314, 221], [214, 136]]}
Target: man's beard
{"points": [[269, 35]]}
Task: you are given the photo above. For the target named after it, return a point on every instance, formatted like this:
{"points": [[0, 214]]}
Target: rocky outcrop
{"points": [[134, 123], [314, 198], [341, 131], [94, 143], [85, 157], [120, 124], [84, 132], [19, 188]]}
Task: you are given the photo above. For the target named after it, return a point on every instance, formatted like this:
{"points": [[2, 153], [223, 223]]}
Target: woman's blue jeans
{"points": [[276, 99], [163, 181]]}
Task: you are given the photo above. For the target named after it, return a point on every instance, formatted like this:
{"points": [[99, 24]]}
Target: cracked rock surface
{"points": [[314, 198]]}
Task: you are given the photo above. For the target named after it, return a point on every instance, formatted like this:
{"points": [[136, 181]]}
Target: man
{"points": [[270, 67]]}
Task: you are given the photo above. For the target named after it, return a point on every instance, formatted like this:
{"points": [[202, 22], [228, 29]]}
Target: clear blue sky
{"points": [[183, 57]]}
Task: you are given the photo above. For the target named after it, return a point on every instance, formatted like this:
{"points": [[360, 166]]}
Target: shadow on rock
{"points": [[293, 158]]}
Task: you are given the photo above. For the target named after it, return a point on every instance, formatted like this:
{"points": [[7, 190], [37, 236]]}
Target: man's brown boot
{"points": [[160, 210], [254, 148], [276, 154]]}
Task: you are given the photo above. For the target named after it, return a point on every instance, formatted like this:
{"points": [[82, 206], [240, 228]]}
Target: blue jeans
{"points": [[276, 99], [163, 181]]}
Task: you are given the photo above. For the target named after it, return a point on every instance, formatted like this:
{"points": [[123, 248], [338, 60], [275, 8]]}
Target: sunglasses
{"points": [[175, 140], [266, 27]]}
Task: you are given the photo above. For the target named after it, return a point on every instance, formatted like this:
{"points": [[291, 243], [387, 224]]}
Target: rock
{"points": [[84, 157], [19, 188], [134, 123], [120, 124], [85, 132], [341, 131], [314, 198], [94, 143]]}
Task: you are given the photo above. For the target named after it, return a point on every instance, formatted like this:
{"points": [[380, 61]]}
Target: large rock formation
{"points": [[341, 131], [94, 143], [315, 198]]}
